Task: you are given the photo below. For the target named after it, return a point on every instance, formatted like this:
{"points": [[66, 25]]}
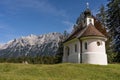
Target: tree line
{"points": [[109, 16], [32, 60]]}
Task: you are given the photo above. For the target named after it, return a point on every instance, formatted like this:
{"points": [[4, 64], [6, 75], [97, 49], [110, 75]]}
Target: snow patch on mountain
{"points": [[32, 45]]}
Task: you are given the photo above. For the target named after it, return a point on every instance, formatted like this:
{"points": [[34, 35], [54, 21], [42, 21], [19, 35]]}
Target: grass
{"points": [[68, 71]]}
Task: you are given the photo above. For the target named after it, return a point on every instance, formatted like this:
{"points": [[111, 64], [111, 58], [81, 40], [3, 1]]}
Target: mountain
{"points": [[32, 45]]}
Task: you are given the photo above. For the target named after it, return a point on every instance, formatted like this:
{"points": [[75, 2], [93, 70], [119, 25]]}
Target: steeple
{"points": [[88, 15], [87, 12]]}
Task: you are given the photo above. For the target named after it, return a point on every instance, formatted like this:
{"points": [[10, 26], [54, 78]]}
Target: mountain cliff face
{"points": [[32, 46]]}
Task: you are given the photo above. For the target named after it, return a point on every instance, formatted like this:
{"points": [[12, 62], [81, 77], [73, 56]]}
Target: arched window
{"points": [[85, 45], [68, 51], [75, 47], [90, 21]]}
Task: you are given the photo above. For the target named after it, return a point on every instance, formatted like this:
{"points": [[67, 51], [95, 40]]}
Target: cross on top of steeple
{"points": [[87, 4]]}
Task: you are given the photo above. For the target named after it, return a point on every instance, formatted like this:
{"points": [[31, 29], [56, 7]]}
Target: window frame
{"points": [[68, 51], [99, 43], [85, 46], [90, 20]]}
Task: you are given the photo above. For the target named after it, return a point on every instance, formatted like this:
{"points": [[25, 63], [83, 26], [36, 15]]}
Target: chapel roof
{"points": [[91, 30]]}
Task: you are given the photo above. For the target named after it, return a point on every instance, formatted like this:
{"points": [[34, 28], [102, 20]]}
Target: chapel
{"points": [[86, 43]]}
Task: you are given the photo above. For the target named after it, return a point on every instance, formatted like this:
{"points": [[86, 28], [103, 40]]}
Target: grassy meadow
{"points": [[66, 71]]}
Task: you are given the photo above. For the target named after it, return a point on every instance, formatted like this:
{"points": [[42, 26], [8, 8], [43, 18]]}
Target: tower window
{"points": [[86, 45], [90, 21], [75, 47]]}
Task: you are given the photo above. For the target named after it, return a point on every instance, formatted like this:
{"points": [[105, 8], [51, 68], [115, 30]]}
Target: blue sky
{"points": [[24, 17]]}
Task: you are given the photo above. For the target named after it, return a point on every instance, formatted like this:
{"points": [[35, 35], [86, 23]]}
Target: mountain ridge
{"points": [[32, 45]]}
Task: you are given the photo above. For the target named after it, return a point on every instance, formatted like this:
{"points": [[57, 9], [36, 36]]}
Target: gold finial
{"points": [[87, 5]]}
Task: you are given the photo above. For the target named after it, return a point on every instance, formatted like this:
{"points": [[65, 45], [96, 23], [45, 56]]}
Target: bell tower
{"points": [[88, 16]]}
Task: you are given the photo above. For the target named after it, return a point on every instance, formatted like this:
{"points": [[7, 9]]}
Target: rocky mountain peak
{"points": [[32, 45]]}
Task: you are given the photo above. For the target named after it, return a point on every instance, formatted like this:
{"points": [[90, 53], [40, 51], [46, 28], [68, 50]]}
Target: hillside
{"points": [[59, 72]]}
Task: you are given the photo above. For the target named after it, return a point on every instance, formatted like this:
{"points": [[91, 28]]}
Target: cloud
{"points": [[3, 27], [6, 33], [69, 25], [38, 5]]}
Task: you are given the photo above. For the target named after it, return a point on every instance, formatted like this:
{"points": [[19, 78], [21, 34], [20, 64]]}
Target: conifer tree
{"points": [[101, 16], [113, 24]]}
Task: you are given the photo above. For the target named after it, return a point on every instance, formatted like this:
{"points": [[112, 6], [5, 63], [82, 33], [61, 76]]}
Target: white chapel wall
{"points": [[94, 54], [93, 47], [73, 57]]}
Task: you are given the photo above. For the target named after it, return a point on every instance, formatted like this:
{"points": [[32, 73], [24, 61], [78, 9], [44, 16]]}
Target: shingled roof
{"points": [[89, 30]]}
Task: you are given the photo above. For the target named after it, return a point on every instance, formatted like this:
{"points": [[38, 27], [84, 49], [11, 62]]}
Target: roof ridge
{"points": [[91, 30]]}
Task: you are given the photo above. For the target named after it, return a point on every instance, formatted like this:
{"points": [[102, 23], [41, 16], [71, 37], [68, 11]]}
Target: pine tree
{"points": [[65, 34], [80, 19], [101, 16], [113, 24]]}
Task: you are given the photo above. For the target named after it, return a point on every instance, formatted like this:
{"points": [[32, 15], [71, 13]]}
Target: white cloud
{"points": [[3, 27], [38, 5], [69, 25], [6, 32]]}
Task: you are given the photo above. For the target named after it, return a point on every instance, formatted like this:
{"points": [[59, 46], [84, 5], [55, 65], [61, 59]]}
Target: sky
{"points": [[24, 17]]}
